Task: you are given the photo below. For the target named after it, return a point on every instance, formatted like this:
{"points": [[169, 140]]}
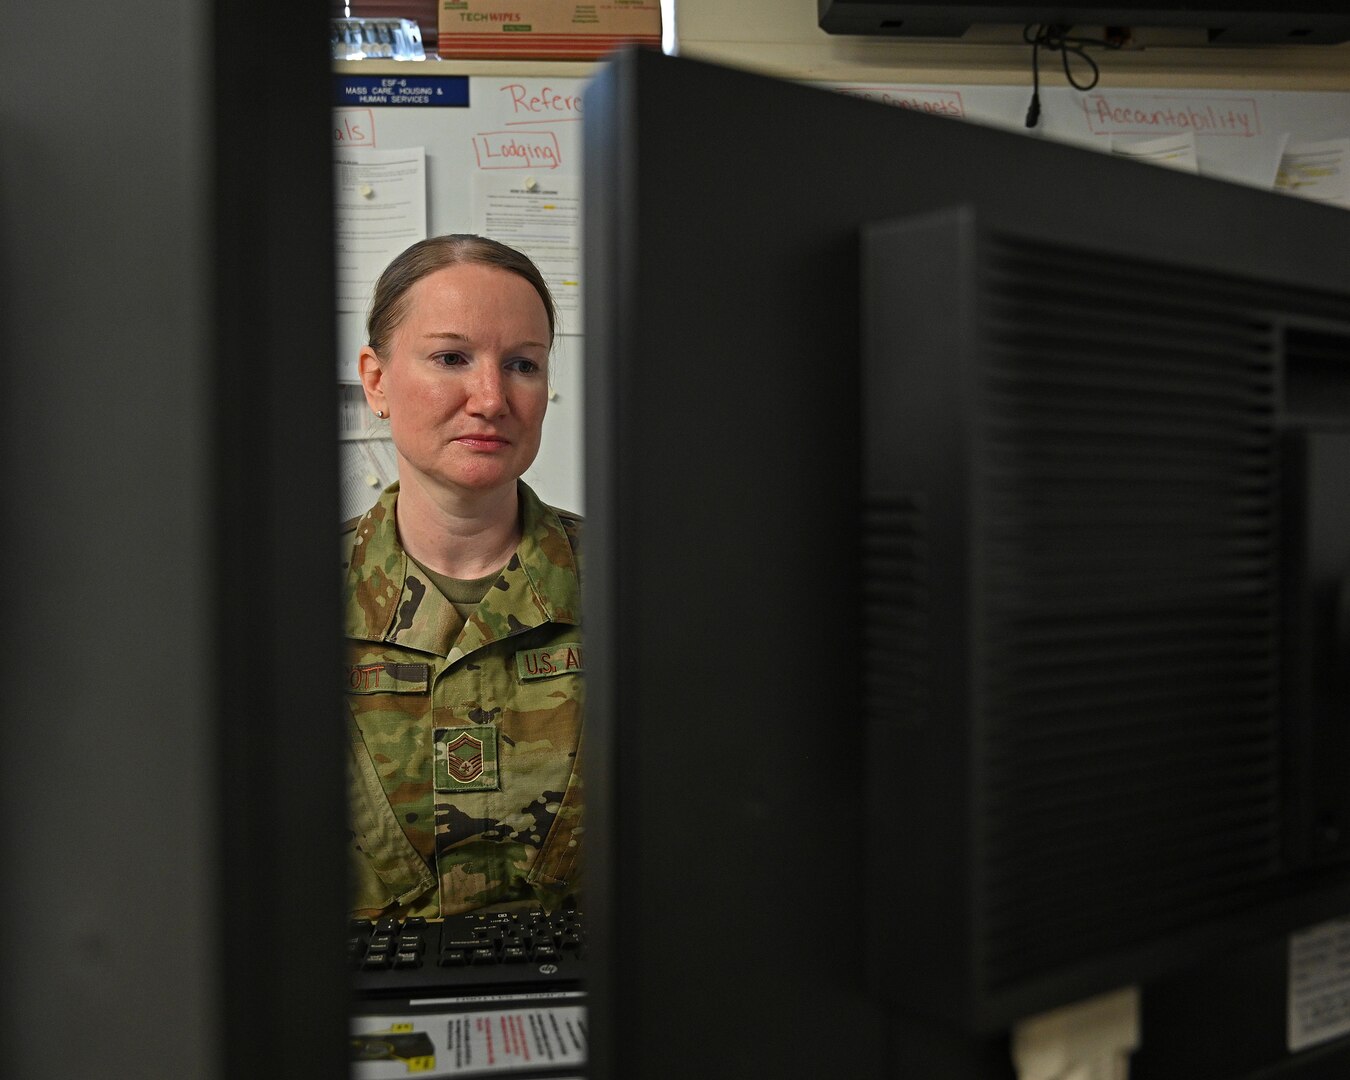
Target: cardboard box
{"points": [[545, 29]]}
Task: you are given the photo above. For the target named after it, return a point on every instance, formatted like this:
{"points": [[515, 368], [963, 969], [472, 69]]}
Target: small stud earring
{"points": [[379, 413]]}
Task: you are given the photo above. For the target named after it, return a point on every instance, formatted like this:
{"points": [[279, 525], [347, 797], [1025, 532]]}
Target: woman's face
{"points": [[465, 379]]}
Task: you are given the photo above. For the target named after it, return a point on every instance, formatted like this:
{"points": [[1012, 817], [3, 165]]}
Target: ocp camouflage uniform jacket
{"points": [[465, 736]]}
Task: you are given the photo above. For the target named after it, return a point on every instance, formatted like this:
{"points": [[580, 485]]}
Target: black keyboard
{"points": [[527, 950]]}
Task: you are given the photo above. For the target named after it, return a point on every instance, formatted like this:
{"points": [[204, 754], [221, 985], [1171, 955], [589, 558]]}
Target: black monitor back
{"points": [[736, 850]]}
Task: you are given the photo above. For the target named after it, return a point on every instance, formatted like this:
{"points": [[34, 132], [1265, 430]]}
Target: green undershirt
{"points": [[463, 595]]}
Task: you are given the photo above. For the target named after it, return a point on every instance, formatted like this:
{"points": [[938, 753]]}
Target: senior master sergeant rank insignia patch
{"points": [[466, 758]]}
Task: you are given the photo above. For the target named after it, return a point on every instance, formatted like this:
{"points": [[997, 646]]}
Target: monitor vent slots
{"points": [[896, 600], [1126, 560]]}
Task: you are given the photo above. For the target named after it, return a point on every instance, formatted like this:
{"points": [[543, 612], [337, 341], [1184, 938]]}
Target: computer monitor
{"points": [[965, 576]]}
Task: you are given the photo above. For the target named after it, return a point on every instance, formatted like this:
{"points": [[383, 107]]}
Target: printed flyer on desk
{"points": [[525, 1039]]}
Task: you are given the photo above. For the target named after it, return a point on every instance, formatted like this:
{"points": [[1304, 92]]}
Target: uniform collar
{"points": [[387, 599]]}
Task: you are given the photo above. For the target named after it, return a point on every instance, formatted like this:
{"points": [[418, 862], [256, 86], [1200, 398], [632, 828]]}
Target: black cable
{"points": [[1034, 109], [1055, 38]]}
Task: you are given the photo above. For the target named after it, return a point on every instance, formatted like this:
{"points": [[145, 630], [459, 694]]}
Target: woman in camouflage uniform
{"points": [[463, 655]]}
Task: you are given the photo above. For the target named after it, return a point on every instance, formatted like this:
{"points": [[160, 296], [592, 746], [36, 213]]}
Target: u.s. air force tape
{"points": [[466, 758], [564, 659]]}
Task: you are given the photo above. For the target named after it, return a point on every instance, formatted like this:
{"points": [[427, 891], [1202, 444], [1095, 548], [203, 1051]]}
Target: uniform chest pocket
{"points": [[386, 677], [391, 703], [544, 677]]}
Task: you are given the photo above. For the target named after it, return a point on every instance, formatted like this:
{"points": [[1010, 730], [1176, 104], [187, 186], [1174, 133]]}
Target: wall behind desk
{"points": [[527, 111], [1239, 134]]}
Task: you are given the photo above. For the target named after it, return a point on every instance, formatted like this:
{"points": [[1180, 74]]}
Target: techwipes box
{"points": [[545, 29]]}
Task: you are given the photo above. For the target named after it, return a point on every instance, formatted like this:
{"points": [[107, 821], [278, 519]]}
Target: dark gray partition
{"points": [[169, 769]]}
